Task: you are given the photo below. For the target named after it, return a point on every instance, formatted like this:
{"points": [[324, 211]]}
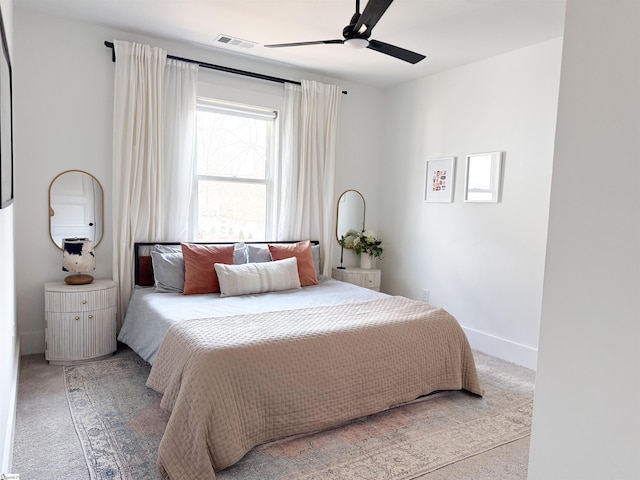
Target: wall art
{"points": [[439, 180], [483, 177]]}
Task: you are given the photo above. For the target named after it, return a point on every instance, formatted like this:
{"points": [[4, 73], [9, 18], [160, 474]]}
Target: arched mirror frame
{"points": [[101, 219], [364, 211]]}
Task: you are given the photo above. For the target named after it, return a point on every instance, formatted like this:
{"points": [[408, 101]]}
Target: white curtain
{"points": [[306, 207], [143, 202], [180, 94]]}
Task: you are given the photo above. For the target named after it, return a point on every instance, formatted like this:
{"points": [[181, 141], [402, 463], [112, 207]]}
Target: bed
{"points": [[240, 370]]}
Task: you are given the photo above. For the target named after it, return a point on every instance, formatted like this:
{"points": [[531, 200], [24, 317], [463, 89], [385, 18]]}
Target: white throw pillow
{"points": [[257, 277]]}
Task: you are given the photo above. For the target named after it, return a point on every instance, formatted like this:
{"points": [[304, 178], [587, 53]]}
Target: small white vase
{"points": [[366, 261]]}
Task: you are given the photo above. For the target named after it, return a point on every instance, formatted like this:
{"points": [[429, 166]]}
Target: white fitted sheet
{"points": [[150, 314]]}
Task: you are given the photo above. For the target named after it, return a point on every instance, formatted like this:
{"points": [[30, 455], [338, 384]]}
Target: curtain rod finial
{"points": [[113, 50]]}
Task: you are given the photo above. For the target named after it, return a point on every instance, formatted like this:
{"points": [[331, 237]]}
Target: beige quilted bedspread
{"points": [[235, 382]]}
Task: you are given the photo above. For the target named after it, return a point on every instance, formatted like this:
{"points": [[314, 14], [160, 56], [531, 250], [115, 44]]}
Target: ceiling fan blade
{"points": [[300, 44], [397, 52], [371, 14]]}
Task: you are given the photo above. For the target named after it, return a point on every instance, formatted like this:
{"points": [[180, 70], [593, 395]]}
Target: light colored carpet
{"points": [[394, 440]]}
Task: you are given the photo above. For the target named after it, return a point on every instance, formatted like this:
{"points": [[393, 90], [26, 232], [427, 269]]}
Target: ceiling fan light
{"points": [[357, 42]]}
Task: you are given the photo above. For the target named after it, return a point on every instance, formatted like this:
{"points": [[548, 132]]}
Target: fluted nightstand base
{"points": [[367, 278]]}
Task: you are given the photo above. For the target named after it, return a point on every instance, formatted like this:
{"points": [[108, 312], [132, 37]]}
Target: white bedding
{"points": [[150, 314]]}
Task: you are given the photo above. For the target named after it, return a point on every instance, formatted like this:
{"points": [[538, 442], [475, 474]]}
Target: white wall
{"points": [[9, 347], [586, 422], [482, 262], [64, 97]]}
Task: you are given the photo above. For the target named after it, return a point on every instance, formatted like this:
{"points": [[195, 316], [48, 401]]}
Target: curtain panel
{"points": [[153, 132], [179, 155], [306, 174]]}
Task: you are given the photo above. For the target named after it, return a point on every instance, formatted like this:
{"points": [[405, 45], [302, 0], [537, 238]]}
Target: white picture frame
{"points": [[483, 177], [439, 181]]}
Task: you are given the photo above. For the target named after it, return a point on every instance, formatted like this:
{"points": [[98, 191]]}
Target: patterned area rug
{"points": [[120, 423]]}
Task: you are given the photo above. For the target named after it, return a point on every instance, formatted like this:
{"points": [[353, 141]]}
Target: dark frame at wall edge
{"points": [[6, 122]]}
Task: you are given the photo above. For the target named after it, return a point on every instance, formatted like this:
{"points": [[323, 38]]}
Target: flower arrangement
{"points": [[364, 242]]}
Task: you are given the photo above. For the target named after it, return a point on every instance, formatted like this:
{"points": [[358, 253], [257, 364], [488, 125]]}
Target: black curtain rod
{"points": [[221, 68]]}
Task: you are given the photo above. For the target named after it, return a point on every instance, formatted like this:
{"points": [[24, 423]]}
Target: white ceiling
{"points": [[449, 32]]}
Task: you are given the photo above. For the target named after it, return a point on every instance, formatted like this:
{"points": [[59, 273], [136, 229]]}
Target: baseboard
{"points": [[32, 342], [7, 454], [502, 348]]}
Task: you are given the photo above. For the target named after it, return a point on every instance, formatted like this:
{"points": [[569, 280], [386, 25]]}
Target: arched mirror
{"points": [[76, 207], [351, 210]]}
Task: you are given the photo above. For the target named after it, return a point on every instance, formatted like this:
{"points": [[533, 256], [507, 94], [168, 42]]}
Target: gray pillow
{"points": [[167, 248], [315, 253], [239, 253], [168, 271], [258, 253]]}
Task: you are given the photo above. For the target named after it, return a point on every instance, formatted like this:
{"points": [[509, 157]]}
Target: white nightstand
{"points": [[79, 321], [367, 278]]}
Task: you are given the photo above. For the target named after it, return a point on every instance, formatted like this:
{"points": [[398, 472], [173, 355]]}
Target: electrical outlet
{"points": [[425, 295]]}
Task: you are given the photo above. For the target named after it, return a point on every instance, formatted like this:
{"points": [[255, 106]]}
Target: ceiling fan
{"points": [[357, 33]]}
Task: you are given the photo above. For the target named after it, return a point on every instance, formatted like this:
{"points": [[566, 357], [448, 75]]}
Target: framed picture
{"points": [[439, 180], [483, 177], [6, 123]]}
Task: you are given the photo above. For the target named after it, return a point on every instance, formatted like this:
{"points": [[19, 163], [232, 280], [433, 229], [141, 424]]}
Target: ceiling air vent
{"points": [[228, 40]]}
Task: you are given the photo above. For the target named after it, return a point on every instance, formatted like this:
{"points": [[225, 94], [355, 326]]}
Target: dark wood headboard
{"points": [[143, 267]]}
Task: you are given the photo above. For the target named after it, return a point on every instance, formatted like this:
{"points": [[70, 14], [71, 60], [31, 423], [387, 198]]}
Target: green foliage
{"points": [[363, 242]]}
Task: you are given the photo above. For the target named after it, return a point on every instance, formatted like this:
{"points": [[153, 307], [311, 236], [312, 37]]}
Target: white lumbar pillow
{"points": [[257, 277]]}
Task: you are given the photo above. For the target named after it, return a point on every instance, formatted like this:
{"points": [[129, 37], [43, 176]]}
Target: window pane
{"points": [[229, 211], [232, 146]]}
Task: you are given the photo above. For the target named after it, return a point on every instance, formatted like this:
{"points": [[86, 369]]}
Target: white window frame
{"points": [[214, 105]]}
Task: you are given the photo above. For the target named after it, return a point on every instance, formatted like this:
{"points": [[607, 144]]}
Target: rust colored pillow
{"points": [[302, 251], [199, 272]]}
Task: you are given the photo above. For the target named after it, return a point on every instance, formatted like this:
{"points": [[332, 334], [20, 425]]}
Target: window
{"points": [[234, 184]]}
